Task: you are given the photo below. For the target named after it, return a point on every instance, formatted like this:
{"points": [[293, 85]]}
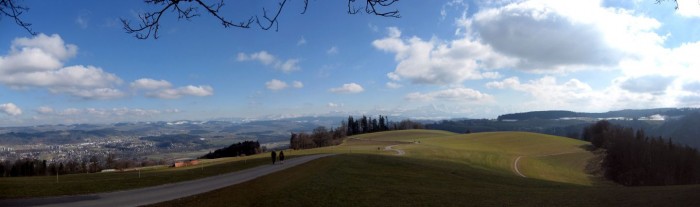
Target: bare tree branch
{"points": [[674, 1], [371, 8], [187, 9], [10, 9]]}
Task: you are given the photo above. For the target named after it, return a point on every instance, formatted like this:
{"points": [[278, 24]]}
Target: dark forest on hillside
{"points": [[234, 150], [635, 159]]}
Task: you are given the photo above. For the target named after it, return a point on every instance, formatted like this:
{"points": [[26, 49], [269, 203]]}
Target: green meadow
{"points": [[444, 169], [439, 169]]}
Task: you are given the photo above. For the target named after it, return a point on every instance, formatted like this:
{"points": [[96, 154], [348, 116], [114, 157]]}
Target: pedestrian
{"points": [[274, 157], [282, 157]]}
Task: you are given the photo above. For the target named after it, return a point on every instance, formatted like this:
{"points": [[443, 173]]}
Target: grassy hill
{"points": [[443, 169], [438, 169]]}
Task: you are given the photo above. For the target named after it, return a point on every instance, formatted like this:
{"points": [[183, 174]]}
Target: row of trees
{"points": [[319, 137], [634, 159], [34, 167], [368, 124], [322, 137], [237, 149]]}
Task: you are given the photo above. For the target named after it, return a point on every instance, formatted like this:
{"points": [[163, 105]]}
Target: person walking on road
{"points": [[282, 157], [274, 157]]}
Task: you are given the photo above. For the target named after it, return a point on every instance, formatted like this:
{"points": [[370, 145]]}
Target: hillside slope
{"points": [[446, 170]]}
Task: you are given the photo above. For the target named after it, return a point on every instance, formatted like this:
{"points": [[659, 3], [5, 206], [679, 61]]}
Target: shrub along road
{"points": [[161, 193]]}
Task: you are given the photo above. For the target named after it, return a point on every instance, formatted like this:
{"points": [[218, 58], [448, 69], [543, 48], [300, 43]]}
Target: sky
{"points": [[441, 59]]}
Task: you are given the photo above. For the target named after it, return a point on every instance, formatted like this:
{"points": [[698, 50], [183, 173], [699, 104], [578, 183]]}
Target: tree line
{"points": [[237, 149], [35, 167], [322, 137], [632, 158]]}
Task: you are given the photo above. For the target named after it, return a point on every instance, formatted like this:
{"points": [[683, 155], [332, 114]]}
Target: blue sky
{"points": [[441, 59]]}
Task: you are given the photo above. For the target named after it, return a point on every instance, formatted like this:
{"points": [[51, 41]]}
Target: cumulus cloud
{"points": [[275, 85], [688, 8], [164, 89], [541, 36], [150, 84], [268, 59], [437, 62], [647, 84], [38, 62], [10, 109], [189, 90], [547, 93], [348, 88], [393, 85], [459, 94], [44, 110]]}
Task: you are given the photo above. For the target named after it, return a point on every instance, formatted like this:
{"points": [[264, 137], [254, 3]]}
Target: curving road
{"points": [[156, 194]]}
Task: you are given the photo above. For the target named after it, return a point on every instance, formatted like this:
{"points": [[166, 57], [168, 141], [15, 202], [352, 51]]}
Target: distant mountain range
{"points": [[263, 131], [682, 125], [624, 114]]}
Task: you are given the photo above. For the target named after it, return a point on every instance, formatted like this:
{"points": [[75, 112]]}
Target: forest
{"points": [[235, 150], [634, 159]]}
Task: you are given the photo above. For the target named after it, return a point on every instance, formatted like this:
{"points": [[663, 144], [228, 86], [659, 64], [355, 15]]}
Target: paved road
{"points": [[156, 194], [398, 151]]}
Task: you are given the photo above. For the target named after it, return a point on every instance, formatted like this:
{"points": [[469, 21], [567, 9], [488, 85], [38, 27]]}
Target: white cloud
{"points": [[189, 90], [268, 59], [45, 110], [150, 84], [10, 109], [437, 62], [332, 51], [393, 85], [302, 41], [38, 62], [688, 8], [459, 94], [275, 85], [348, 88], [334, 105], [164, 89]]}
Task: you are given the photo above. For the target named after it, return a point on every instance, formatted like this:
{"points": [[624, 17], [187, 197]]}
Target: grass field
{"points": [[444, 169], [73, 184], [438, 169]]}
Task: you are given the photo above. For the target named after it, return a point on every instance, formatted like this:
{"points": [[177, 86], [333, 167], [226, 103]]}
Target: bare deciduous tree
{"points": [[187, 9], [10, 8]]}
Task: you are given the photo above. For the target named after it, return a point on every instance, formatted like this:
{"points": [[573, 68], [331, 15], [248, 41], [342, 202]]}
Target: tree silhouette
{"points": [[187, 9], [11, 9]]}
